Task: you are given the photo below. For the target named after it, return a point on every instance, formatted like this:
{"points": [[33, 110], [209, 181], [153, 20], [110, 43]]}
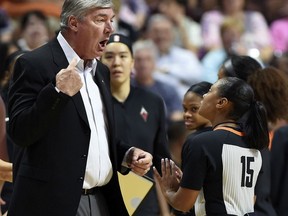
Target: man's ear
{"points": [[73, 23], [222, 102]]}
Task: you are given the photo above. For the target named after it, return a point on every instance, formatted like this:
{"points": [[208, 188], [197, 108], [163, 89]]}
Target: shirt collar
{"points": [[70, 54]]}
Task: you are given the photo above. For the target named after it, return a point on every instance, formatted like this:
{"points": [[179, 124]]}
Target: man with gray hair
{"points": [[145, 54], [61, 120], [177, 66]]}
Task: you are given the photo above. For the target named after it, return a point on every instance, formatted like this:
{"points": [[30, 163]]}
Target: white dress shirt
{"points": [[99, 167]]}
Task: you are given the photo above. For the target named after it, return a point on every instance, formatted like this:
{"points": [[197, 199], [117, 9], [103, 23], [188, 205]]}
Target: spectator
{"points": [[239, 66], [34, 30], [132, 15], [271, 86], [256, 32], [196, 8], [279, 33], [8, 51], [275, 9], [231, 30], [177, 66], [280, 61], [145, 66], [6, 29], [122, 25], [187, 31]]}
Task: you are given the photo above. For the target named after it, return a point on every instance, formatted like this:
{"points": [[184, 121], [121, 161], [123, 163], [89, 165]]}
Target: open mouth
{"points": [[103, 43]]}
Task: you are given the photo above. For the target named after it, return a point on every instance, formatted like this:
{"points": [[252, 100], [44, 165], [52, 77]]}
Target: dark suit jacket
{"points": [[51, 133]]}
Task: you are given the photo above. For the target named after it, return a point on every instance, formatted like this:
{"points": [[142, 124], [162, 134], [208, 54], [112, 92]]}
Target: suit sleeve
{"points": [[34, 104]]}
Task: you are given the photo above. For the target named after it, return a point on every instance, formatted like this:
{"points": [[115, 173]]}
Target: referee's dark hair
{"points": [[248, 112]]}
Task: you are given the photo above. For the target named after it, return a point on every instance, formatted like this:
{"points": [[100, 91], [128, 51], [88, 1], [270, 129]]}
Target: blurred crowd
{"points": [[191, 38], [177, 43]]}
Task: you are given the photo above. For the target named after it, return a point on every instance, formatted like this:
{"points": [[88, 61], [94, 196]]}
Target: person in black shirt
{"points": [[139, 113], [225, 162], [279, 162], [197, 124]]}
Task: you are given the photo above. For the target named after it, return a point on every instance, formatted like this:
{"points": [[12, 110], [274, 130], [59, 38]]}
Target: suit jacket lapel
{"points": [[58, 55], [61, 62]]}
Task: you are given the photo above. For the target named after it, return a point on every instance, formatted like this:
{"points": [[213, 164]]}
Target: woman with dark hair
{"points": [[239, 66], [270, 87], [35, 30], [193, 121], [197, 124], [279, 160], [139, 114], [224, 162]]}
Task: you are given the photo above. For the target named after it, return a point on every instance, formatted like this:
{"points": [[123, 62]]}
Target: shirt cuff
{"points": [[57, 89], [125, 159]]}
